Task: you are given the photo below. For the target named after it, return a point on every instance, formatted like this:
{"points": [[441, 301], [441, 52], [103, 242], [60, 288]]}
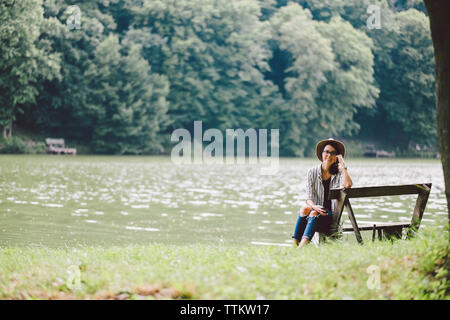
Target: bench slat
{"points": [[379, 191], [378, 226]]}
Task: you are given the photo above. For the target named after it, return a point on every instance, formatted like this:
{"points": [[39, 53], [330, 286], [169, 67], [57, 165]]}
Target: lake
{"points": [[60, 201]]}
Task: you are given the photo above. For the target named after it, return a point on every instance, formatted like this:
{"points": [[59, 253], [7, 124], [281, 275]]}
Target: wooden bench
{"points": [[386, 230], [57, 146]]}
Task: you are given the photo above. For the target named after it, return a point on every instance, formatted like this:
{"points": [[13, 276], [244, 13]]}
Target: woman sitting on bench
{"points": [[332, 173]]}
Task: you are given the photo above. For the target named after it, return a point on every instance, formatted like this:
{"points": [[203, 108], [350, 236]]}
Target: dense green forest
{"points": [[120, 76]]}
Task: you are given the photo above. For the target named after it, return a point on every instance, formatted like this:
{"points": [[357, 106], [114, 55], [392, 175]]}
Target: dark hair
{"points": [[334, 169]]}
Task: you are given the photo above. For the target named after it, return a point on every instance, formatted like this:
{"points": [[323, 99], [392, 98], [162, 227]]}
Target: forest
{"points": [[121, 76]]}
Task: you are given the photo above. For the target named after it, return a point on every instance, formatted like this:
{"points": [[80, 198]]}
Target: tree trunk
{"points": [[10, 129], [4, 133], [438, 11]]}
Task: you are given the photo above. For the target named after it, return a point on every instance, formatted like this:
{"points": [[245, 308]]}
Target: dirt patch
{"points": [[153, 291]]}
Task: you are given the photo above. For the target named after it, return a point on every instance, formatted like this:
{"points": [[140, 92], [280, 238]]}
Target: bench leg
{"points": [[352, 219], [380, 234]]}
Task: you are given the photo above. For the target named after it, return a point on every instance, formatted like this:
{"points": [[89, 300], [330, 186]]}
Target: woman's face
{"points": [[329, 154]]}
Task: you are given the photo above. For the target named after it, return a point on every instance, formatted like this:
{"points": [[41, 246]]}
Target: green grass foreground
{"points": [[408, 269]]}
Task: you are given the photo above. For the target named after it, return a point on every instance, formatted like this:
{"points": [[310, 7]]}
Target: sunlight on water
{"points": [[65, 201]]}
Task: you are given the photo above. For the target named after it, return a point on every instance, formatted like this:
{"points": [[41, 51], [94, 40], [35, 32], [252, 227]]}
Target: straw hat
{"points": [[339, 146]]}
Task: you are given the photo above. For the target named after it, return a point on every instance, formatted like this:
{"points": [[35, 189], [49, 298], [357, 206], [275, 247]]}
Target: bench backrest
{"points": [[422, 189], [57, 142]]}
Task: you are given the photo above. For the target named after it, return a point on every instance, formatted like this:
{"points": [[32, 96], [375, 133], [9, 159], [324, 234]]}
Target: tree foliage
{"points": [[327, 75], [407, 81], [24, 60], [136, 70], [126, 102], [214, 55], [403, 68]]}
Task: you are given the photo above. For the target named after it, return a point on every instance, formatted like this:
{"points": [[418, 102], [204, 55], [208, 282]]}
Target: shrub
{"points": [[15, 145]]}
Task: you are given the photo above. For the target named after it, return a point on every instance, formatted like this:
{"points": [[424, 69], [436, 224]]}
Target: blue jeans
{"points": [[307, 225]]}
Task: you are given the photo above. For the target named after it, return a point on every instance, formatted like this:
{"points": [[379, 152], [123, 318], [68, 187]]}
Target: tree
{"points": [[351, 84], [404, 72], [213, 54], [325, 75], [61, 104], [108, 96], [24, 60], [302, 58], [127, 102], [440, 33]]}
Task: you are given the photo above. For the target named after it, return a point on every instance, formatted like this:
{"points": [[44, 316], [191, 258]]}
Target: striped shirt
{"points": [[314, 186]]}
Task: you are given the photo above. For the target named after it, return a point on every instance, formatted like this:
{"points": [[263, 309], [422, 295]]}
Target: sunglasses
{"points": [[331, 153]]}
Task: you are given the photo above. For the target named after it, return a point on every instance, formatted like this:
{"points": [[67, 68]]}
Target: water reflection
{"points": [[60, 201]]}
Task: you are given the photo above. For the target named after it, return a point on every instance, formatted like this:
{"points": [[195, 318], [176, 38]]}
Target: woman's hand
{"points": [[341, 162], [319, 209]]}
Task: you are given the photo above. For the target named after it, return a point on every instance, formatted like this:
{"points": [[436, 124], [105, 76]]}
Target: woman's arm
{"points": [[343, 169], [347, 180]]}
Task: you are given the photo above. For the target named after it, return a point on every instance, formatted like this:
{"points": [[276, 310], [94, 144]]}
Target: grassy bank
{"points": [[413, 269], [25, 141]]}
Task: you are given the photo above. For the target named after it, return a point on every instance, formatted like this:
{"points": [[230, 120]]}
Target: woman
{"points": [[332, 173]]}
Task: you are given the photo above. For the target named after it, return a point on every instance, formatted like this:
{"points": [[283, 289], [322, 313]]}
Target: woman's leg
{"points": [[310, 228], [324, 223], [301, 224], [316, 222]]}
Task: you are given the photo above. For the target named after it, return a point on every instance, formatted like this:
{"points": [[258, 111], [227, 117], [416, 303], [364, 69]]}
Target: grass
{"points": [[409, 269]]}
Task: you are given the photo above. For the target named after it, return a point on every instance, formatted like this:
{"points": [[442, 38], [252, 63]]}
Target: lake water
{"points": [[60, 201]]}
